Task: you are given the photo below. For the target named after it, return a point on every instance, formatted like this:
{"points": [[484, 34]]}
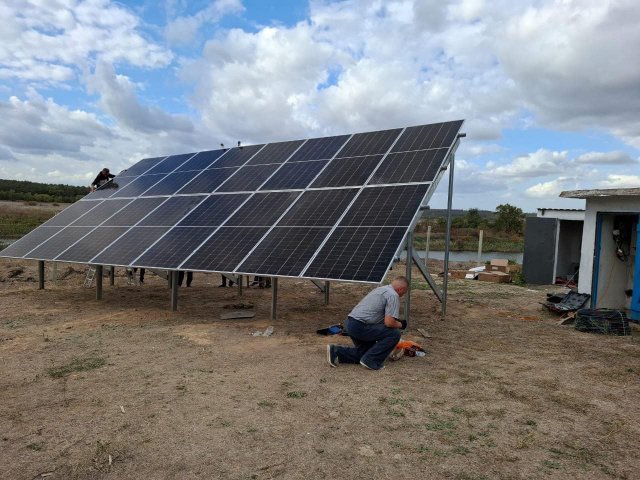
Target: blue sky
{"points": [[547, 88]]}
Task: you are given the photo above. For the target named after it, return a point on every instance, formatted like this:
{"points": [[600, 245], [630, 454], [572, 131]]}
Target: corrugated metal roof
{"points": [[563, 209], [605, 192]]}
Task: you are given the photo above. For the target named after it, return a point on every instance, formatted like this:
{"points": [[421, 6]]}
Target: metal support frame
{"points": [[174, 290], [274, 298], [326, 292], [98, 282], [427, 276], [239, 283], [112, 275], [407, 296], [40, 274], [324, 287], [445, 282]]}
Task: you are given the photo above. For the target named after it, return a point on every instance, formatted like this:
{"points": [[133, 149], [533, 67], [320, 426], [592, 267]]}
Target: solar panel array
{"points": [[335, 208]]}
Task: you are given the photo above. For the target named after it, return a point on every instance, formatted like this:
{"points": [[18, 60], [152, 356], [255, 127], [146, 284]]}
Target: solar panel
{"points": [[141, 167], [129, 246], [200, 161], [285, 251], [208, 181], [319, 208], [92, 244], [214, 210], [294, 175], [58, 243], [248, 178], [319, 148], [110, 188], [101, 212], [30, 241], [225, 249], [171, 211], [138, 186], [275, 152], [346, 172], [171, 183], [406, 167], [172, 249], [327, 208]]}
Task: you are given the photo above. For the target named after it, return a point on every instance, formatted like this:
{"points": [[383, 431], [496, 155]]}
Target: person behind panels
{"points": [[103, 177], [373, 326]]}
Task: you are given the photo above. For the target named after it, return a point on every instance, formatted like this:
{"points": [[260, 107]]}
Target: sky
{"points": [[549, 90]]}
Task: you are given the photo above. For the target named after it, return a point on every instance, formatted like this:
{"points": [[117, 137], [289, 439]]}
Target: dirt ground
{"points": [[124, 388]]}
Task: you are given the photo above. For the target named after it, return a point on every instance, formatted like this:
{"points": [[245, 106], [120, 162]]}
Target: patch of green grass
{"points": [[551, 465], [35, 446], [392, 401], [440, 425], [296, 394], [531, 423], [77, 365], [395, 413], [266, 403], [460, 450]]}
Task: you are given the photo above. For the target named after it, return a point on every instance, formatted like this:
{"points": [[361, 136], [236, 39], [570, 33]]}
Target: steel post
{"points": [[40, 274], [174, 290], [112, 275], [274, 298], [407, 296], [326, 292], [239, 281], [448, 238], [98, 282]]}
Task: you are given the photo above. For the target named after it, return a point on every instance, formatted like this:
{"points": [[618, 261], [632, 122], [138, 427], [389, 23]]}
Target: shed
{"points": [[552, 245], [609, 262]]}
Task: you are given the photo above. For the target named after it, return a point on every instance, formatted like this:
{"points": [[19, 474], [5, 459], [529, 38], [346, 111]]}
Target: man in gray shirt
{"points": [[373, 326]]}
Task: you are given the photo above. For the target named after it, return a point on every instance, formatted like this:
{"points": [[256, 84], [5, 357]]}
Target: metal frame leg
{"points": [[448, 240], [239, 282], [112, 275], [326, 292], [274, 298], [98, 282], [174, 290], [407, 296], [40, 274]]}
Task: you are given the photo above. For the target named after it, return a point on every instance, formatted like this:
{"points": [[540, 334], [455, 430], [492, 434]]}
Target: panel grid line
{"points": [[180, 220], [251, 196], [304, 270], [290, 206]]}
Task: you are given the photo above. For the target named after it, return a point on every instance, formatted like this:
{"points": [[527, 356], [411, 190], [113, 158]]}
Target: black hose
{"points": [[603, 321]]}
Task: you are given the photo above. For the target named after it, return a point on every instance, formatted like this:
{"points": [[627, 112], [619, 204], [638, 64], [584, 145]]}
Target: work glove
{"points": [[404, 324]]}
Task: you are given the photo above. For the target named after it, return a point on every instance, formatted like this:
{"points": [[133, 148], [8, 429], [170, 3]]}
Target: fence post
{"points": [[480, 246]]}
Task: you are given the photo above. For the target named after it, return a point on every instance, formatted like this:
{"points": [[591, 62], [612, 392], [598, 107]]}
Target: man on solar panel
{"points": [[374, 328], [103, 177]]}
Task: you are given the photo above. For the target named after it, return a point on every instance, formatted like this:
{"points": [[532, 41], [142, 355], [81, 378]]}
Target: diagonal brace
{"points": [[320, 285], [425, 273]]}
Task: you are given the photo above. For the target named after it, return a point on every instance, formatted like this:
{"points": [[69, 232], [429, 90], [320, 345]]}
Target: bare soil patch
{"points": [[124, 388]]}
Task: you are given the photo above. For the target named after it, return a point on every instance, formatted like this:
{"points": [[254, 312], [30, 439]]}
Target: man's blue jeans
{"points": [[373, 343]]}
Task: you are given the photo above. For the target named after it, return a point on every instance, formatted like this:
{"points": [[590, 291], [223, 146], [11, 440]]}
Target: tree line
{"points": [[22, 190], [507, 218]]}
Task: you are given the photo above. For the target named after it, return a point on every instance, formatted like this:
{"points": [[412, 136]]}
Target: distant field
{"points": [[466, 239], [19, 218]]}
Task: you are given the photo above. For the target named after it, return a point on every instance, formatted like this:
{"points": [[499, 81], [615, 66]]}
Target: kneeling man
{"points": [[373, 326]]}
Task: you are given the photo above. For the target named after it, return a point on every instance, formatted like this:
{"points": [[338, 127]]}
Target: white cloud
{"points": [[620, 181], [606, 158], [118, 99], [49, 41], [549, 189], [540, 163], [183, 29]]}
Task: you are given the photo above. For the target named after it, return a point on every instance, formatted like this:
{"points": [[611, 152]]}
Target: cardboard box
{"points": [[496, 277], [458, 273], [498, 265]]}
